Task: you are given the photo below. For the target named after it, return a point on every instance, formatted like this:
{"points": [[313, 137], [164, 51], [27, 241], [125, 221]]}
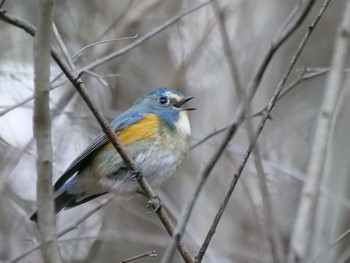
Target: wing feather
{"points": [[80, 162]]}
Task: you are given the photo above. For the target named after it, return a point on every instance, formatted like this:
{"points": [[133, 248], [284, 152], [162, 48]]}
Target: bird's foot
{"points": [[135, 175], [154, 204]]}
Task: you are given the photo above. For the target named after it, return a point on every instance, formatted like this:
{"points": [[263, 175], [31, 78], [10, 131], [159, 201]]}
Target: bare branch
{"points": [[63, 48], [303, 229], [80, 87], [268, 211], [181, 226], [42, 133], [80, 51], [260, 128], [303, 77], [229, 55], [142, 39], [279, 40], [333, 244], [98, 77], [67, 229], [2, 3], [143, 255]]}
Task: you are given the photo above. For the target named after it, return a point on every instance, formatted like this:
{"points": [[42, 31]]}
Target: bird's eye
{"points": [[163, 100]]}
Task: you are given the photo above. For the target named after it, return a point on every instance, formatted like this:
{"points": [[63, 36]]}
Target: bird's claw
{"points": [[135, 175], [154, 204]]}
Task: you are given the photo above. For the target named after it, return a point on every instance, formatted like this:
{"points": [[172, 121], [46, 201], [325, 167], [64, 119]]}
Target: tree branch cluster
{"points": [[302, 233]]}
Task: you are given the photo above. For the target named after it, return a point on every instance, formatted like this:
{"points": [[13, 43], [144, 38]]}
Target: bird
{"points": [[155, 132]]}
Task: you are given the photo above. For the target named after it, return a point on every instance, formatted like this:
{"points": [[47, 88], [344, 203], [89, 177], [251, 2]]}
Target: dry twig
{"points": [[270, 106], [143, 255], [278, 40], [303, 229], [180, 228], [80, 87], [306, 75], [333, 244]]}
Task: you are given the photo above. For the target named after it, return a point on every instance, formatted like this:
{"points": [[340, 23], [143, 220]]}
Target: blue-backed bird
{"points": [[156, 134]]}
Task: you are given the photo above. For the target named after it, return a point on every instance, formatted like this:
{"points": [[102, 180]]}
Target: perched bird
{"points": [[155, 132]]}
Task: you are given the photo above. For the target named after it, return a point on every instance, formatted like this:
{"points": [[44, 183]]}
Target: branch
{"points": [[283, 34], [80, 51], [143, 255], [333, 244], [302, 77], [273, 232], [181, 226], [142, 39], [67, 229], [73, 77], [270, 106], [30, 29], [303, 229], [279, 40], [229, 55], [74, 57], [42, 133]]}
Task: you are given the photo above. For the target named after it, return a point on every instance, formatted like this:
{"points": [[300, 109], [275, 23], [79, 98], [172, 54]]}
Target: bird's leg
{"points": [[154, 203]]}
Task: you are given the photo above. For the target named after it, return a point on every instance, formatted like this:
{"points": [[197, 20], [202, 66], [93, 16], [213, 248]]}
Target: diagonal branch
{"points": [[73, 77], [302, 77], [303, 229], [278, 40], [270, 106], [181, 226], [331, 245], [142, 39]]}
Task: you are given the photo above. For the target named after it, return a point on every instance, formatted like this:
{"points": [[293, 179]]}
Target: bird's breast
{"points": [[145, 129]]}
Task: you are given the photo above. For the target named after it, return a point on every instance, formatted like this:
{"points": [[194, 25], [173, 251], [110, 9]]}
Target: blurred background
{"points": [[188, 56]]}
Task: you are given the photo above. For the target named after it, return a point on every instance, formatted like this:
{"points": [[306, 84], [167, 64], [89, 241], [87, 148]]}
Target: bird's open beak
{"points": [[182, 102]]}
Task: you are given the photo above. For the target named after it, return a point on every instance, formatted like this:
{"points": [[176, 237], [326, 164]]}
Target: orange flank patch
{"points": [[143, 129]]}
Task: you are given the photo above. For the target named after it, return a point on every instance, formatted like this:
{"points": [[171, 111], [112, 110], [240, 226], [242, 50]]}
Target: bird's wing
{"points": [[68, 177]]}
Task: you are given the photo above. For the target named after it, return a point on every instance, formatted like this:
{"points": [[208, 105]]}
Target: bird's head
{"points": [[168, 104]]}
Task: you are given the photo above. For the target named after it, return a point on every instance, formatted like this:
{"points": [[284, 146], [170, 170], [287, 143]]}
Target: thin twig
{"points": [[295, 83], [276, 43], [80, 51], [229, 54], [142, 39], [67, 229], [42, 133], [80, 87], [2, 3], [63, 48], [270, 106], [98, 77], [333, 244], [177, 78], [273, 232], [123, 13], [30, 29], [234, 74], [143, 255], [303, 228], [81, 219]]}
